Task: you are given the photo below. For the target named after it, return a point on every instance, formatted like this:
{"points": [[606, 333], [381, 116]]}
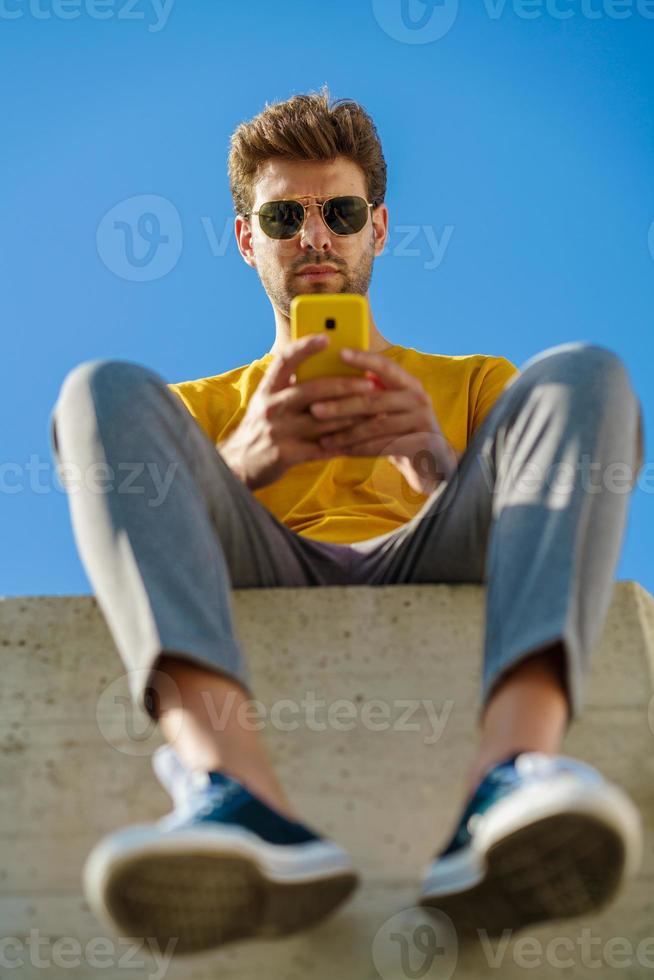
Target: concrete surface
{"points": [[384, 776]]}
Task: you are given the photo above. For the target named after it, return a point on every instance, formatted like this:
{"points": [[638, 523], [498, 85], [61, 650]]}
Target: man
{"points": [[441, 471]]}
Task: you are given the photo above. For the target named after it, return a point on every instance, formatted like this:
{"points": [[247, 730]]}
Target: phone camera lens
{"points": [[330, 324]]}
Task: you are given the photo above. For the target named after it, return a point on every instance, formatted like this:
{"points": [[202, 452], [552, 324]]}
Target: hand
{"points": [[278, 430], [401, 424]]}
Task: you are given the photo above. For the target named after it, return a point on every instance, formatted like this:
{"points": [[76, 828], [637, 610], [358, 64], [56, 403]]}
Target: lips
{"points": [[317, 270]]}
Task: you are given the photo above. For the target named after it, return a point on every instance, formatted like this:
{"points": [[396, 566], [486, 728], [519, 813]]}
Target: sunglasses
{"points": [[284, 219]]}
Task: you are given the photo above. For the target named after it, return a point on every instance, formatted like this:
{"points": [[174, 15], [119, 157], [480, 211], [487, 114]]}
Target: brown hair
{"points": [[305, 127]]}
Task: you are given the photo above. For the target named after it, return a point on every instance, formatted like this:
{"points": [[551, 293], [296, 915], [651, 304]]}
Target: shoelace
{"points": [[501, 778], [206, 795], [205, 801], [495, 783], [200, 802], [191, 791]]}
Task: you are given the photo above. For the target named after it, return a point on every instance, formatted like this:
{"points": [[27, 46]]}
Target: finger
{"points": [[378, 383], [308, 450], [314, 451], [390, 426], [372, 404], [281, 370], [300, 397], [390, 373], [369, 447], [311, 429]]}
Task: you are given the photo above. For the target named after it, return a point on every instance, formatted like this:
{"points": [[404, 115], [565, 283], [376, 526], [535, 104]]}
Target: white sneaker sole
{"points": [[550, 851], [213, 885]]}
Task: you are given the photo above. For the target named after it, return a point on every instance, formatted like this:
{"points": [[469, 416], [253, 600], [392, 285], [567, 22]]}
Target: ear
{"points": [[380, 227], [243, 233]]}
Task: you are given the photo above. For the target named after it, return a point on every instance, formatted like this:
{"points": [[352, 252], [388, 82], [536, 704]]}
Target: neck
{"points": [[283, 332]]}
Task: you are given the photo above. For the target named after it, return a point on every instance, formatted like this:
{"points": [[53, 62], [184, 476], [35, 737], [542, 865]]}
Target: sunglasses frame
{"points": [[313, 204]]}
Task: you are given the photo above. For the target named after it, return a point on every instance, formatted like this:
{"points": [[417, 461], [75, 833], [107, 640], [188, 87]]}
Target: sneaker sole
{"points": [[215, 890], [558, 866]]}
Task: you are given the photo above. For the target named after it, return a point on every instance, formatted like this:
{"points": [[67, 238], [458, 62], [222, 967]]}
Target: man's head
{"points": [[308, 150]]}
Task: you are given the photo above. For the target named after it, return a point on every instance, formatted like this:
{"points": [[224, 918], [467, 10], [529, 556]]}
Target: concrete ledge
{"points": [[386, 781]]}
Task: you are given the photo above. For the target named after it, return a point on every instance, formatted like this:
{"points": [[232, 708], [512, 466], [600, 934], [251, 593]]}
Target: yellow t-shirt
{"points": [[351, 498]]}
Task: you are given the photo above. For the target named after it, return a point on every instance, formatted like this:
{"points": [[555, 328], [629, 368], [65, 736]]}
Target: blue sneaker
{"points": [[542, 837], [221, 867]]}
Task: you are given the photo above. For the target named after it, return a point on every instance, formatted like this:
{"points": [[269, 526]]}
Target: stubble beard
{"points": [[280, 284]]}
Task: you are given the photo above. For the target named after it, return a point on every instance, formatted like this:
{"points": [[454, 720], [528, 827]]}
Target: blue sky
{"points": [[520, 145]]}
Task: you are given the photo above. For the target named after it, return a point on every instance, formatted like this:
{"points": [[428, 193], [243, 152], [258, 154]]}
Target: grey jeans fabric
{"points": [[536, 510]]}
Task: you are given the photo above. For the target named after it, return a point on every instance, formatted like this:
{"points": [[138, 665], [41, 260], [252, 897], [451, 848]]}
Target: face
{"points": [[281, 264]]}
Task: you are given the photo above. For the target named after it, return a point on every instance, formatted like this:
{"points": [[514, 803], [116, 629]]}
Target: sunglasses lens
{"points": [[281, 219], [346, 215]]}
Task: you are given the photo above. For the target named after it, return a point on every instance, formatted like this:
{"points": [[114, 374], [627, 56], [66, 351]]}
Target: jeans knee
{"points": [[581, 361], [88, 373], [106, 374], [599, 357]]}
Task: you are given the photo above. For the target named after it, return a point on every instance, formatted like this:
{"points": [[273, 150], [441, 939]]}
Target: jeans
{"points": [[536, 511]]}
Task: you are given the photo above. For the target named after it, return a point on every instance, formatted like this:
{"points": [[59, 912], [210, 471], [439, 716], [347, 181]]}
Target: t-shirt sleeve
{"points": [[492, 381], [204, 409], [175, 388]]}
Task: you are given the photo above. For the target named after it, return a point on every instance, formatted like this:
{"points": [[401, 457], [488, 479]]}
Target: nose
{"points": [[315, 233]]}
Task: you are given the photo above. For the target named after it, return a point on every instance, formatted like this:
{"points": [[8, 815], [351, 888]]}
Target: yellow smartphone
{"points": [[344, 318]]}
